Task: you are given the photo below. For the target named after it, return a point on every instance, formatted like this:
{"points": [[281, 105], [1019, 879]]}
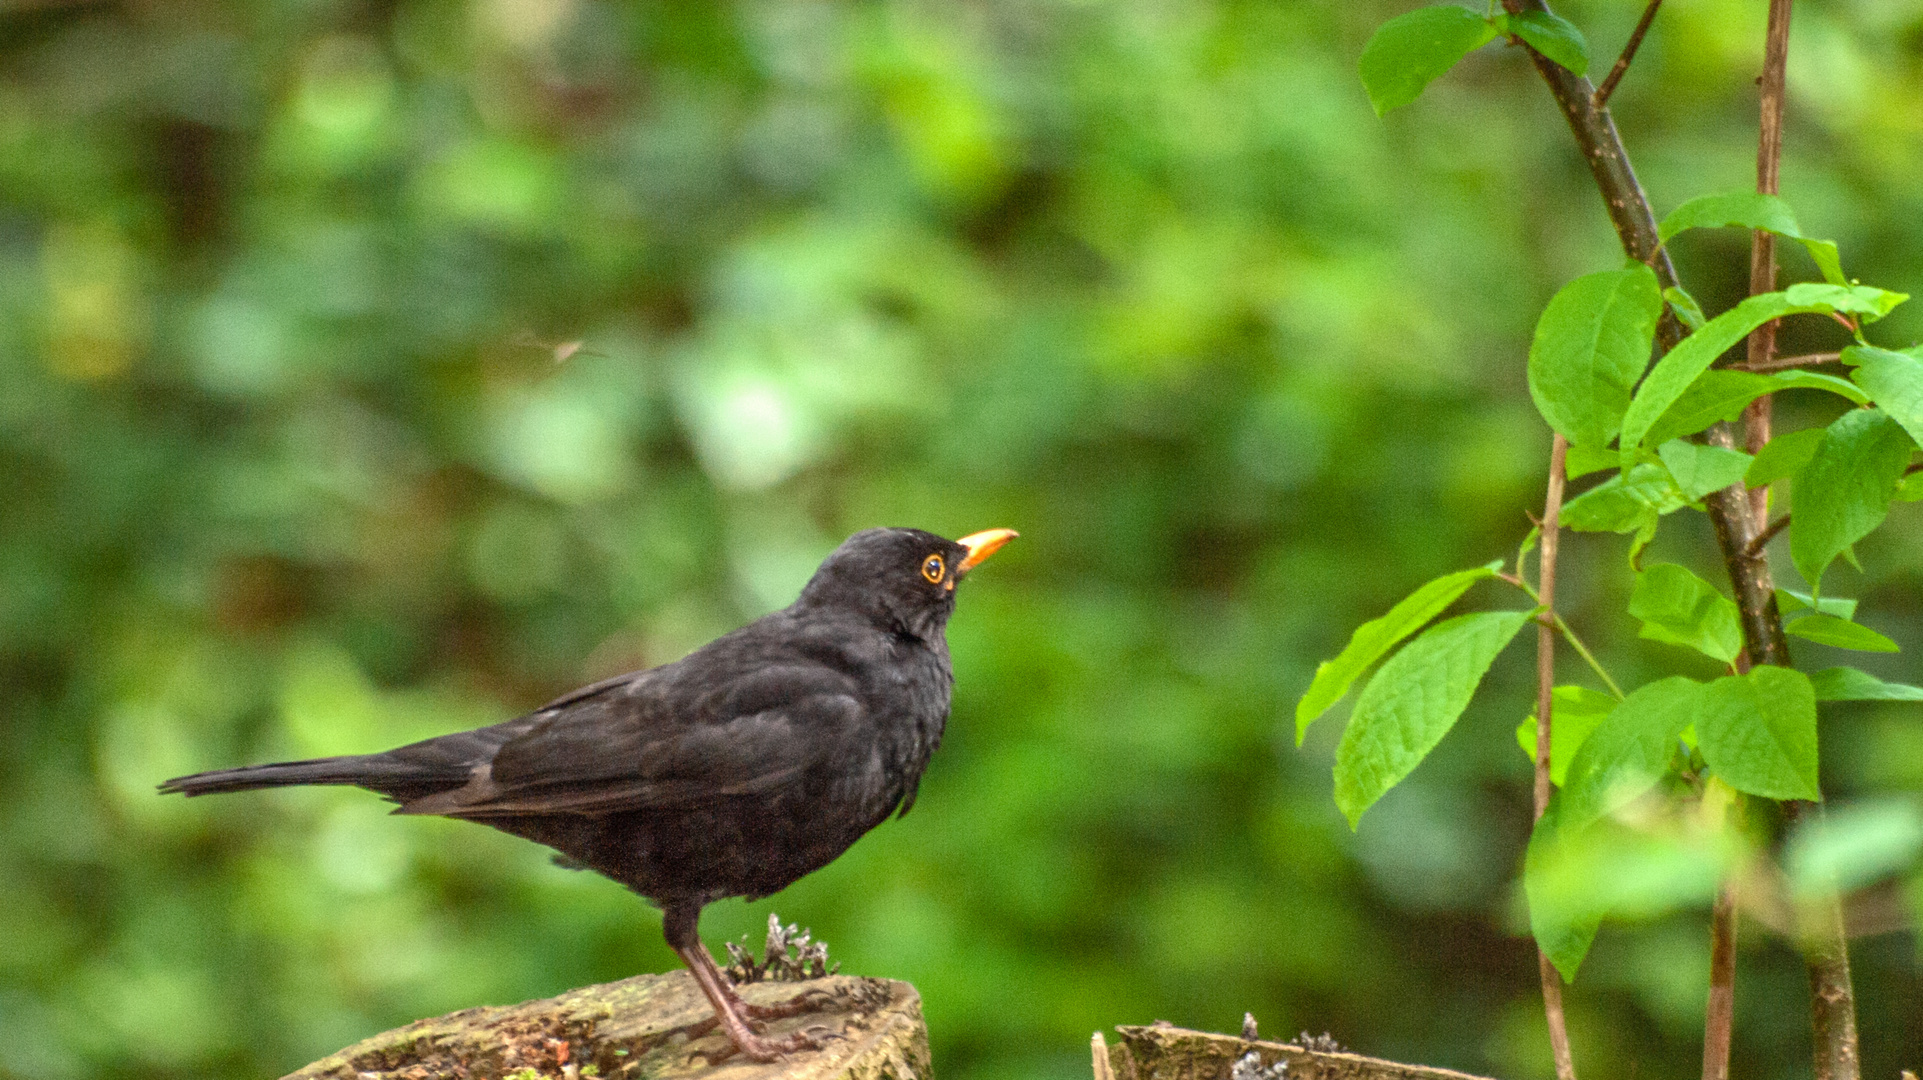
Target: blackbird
{"points": [[733, 771]]}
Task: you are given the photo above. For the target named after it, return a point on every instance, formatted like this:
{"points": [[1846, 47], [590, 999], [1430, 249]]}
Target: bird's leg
{"points": [[678, 924]]}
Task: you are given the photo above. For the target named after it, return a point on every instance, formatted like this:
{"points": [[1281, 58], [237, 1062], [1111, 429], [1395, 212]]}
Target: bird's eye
{"points": [[931, 568]]}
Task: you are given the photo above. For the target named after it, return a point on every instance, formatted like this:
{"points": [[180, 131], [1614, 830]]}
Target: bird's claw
{"points": [[810, 1000]]}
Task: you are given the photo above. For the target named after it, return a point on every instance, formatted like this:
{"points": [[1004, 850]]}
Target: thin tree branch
{"points": [[1722, 985], [1545, 701], [1762, 246], [1608, 87], [1761, 540], [1785, 363]]}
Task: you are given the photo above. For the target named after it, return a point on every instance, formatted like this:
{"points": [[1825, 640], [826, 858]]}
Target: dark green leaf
{"points": [[1574, 711], [1630, 750], [1554, 37], [1783, 455], [1563, 930], [1679, 608], [1699, 470], [1409, 51], [1840, 633], [1758, 732], [1591, 345], [1894, 381], [1377, 636], [1411, 702], [1849, 684], [1844, 491]]}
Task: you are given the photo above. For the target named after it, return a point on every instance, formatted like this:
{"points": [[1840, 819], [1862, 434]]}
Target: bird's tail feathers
{"points": [[376, 772]]}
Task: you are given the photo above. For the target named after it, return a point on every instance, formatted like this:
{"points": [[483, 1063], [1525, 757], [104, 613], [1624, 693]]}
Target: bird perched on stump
{"points": [[734, 771]]}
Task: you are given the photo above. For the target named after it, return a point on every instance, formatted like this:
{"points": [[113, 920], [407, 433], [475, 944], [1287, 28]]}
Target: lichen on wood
{"points": [[653, 1026], [1163, 1052]]}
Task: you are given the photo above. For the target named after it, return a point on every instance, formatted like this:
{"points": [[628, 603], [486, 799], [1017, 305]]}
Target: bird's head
{"points": [[901, 576]]}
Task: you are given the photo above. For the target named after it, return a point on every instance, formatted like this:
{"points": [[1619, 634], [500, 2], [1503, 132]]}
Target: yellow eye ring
{"points": [[932, 568]]}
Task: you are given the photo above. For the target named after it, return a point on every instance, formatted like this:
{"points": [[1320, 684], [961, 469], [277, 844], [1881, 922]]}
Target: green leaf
{"points": [[1583, 460], [1679, 608], [1699, 470], [1845, 489], [1848, 847], [1910, 488], [1411, 702], [1752, 210], [1758, 732], [1377, 636], [1866, 300], [1894, 381], [1563, 930], [1574, 712], [1789, 600], [1623, 503], [1554, 37], [1685, 306], [1849, 684], [1717, 395], [1783, 455], [1816, 380], [1840, 633], [1591, 345], [1630, 750], [1410, 51]]}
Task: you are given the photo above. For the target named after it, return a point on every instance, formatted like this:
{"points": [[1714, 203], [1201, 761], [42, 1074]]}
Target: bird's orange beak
{"points": [[981, 545]]}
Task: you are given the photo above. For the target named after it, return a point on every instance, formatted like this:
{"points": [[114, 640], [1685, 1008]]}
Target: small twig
{"points": [[1568, 633], [1785, 363], [1761, 540], [1545, 701], [1601, 97]]}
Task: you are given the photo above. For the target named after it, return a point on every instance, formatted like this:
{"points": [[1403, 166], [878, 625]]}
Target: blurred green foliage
{"points": [[369, 370]]}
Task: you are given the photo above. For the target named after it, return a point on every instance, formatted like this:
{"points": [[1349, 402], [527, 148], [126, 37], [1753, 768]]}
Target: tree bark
{"points": [[654, 1026]]}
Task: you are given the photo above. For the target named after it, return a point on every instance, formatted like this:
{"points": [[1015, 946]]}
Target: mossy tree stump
{"points": [[649, 1026], [1164, 1052]]}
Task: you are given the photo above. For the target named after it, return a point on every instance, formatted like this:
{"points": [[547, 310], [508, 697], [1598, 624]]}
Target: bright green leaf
{"points": [[1685, 306], [1679, 608], [1717, 395], [1894, 381], [1840, 633], [1622, 503], [1910, 489], [1699, 470], [1591, 345], [1752, 210], [1563, 930], [1840, 606], [1630, 750], [1816, 380], [1554, 37], [1868, 301], [1574, 712], [1583, 460], [1783, 455], [1758, 732], [1845, 489], [1410, 51], [1849, 684], [1377, 636], [1412, 701]]}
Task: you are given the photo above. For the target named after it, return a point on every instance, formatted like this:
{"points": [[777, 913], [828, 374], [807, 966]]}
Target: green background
{"points": [[299, 458]]}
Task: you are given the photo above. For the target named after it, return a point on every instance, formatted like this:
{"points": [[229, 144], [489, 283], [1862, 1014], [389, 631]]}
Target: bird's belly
{"points": [[733, 846]]}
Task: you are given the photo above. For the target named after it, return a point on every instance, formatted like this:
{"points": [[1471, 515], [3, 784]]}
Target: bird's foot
{"points": [[756, 1048], [810, 1000]]}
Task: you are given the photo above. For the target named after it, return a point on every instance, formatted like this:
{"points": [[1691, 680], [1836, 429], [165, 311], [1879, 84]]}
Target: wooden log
{"points": [[654, 1026], [1164, 1052]]}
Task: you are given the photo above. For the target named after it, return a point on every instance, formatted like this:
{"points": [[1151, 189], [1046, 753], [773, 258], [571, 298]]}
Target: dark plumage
{"points": [[733, 771]]}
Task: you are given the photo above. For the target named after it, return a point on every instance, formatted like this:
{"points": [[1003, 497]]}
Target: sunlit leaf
{"points": [[1374, 638], [1789, 600], [1630, 750], [1783, 455], [1679, 608], [1752, 210], [1554, 37], [1591, 344], [1574, 712], [1894, 381], [1758, 732], [1699, 470], [1839, 633], [1412, 701]]}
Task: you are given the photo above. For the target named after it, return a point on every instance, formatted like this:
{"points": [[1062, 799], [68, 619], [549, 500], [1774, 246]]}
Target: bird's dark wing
{"points": [[672, 738]]}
